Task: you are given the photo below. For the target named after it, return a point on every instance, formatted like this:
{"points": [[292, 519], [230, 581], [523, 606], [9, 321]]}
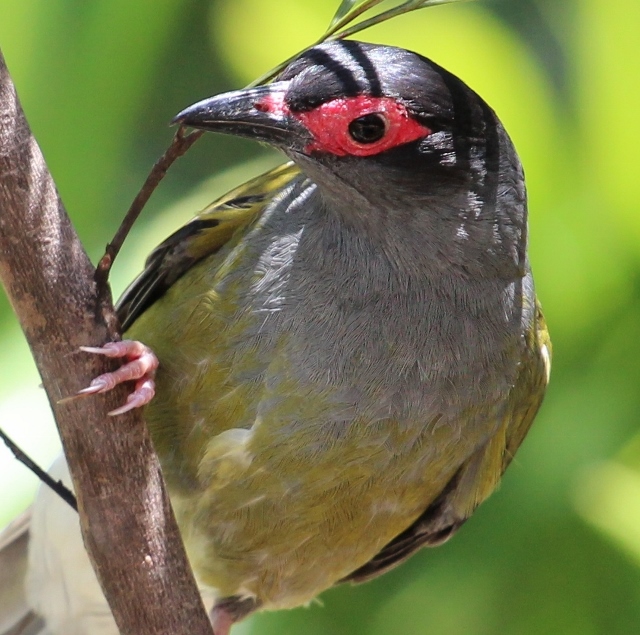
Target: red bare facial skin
{"points": [[329, 124]]}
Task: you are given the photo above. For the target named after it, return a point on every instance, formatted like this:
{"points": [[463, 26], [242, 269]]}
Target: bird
{"points": [[350, 347]]}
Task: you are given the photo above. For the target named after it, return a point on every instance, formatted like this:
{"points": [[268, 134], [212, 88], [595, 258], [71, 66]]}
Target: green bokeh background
{"points": [[557, 549]]}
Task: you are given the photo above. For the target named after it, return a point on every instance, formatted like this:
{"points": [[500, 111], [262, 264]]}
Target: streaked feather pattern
{"points": [[201, 237], [238, 418]]}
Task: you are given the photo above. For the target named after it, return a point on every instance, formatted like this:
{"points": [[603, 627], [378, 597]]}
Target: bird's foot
{"points": [[140, 366], [227, 611], [221, 621]]}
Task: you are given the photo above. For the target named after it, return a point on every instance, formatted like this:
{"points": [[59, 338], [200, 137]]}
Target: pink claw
{"points": [[140, 366]]}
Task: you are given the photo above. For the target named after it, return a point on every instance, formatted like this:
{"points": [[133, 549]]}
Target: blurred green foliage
{"points": [[557, 549]]}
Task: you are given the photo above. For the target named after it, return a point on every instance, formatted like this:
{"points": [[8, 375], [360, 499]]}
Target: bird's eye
{"points": [[361, 126], [368, 128]]}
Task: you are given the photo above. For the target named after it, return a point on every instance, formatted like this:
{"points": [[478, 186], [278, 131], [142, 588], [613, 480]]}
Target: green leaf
{"points": [[349, 10], [405, 7], [342, 11], [344, 24]]}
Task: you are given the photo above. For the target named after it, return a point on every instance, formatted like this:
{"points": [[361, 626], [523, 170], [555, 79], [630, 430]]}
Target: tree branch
{"points": [[126, 519]]}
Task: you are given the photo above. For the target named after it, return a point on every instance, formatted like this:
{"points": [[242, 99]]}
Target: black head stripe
{"points": [[487, 190], [373, 86], [476, 140], [344, 83], [462, 117], [342, 70]]}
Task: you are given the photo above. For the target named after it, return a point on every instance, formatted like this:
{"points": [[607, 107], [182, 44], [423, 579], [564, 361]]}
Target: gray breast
{"points": [[394, 341]]}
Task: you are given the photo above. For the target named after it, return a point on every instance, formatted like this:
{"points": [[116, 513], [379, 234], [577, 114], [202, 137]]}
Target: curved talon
{"points": [[100, 350], [144, 391], [96, 386], [140, 366]]}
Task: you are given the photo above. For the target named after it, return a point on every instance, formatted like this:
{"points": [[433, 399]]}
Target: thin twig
{"points": [[57, 486], [181, 142]]}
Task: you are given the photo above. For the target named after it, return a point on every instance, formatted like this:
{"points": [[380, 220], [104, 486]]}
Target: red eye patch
{"points": [[329, 124]]}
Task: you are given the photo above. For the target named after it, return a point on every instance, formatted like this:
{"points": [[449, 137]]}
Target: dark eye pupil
{"points": [[368, 128]]}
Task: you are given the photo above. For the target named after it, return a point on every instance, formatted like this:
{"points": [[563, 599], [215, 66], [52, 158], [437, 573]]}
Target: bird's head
{"points": [[379, 127]]}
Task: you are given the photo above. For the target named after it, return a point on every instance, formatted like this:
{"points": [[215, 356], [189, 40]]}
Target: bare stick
{"points": [[57, 486], [181, 142], [126, 520]]}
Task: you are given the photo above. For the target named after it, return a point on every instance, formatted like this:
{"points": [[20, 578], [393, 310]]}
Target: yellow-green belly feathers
{"points": [[300, 428]]}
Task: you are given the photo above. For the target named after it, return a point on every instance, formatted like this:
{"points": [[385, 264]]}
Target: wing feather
{"points": [[203, 236]]}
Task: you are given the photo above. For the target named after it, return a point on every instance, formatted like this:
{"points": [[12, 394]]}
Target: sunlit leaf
{"points": [[344, 24], [348, 8], [401, 9], [340, 29]]}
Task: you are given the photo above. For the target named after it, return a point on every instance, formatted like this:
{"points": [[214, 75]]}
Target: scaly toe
{"points": [[140, 366], [141, 396]]}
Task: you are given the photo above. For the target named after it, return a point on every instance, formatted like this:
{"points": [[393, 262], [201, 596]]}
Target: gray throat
{"points": [[379, 314]]}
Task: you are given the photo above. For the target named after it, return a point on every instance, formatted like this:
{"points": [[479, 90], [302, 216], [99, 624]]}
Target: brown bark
{"points": [[126, 519]]}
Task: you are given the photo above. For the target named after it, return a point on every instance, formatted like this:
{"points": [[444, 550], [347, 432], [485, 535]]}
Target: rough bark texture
{"points": [[127, 522]]}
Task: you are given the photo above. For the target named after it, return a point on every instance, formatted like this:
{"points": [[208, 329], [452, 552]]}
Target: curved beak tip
{"points": [[188, 116], [177, 119], [258, 113]]}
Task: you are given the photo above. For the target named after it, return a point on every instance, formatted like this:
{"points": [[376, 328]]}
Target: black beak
{"points": [[257, 113]]}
